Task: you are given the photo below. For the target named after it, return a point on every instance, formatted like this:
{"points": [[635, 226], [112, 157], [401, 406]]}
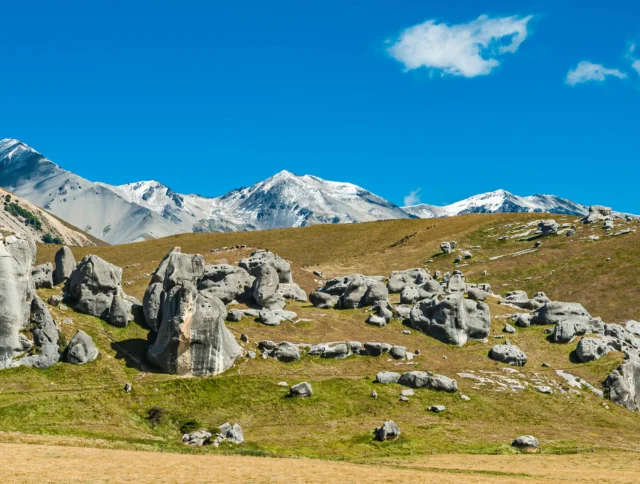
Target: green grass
{"points": [[337, 422]]}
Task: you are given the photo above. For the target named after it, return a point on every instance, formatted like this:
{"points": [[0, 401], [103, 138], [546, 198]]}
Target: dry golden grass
{"points": [[31, 463]]}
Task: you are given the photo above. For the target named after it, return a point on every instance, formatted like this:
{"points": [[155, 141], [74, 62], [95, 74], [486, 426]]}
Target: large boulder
{"points": [[508, 353], [453, 320], [178, 268], [622, 386], [409, 277], [17, 291], [354, 293], [287, 352], [426, 379], [548, 227], [65, 264], [291, 290], [45, 337], [596, 212], [152, 304], [192, 337], [80, 349], [235, 286], [526, 442], [301, 390], [43, 276], [385, 377], [447, 247], [323, 300], [456, 283], [591, 349], [94, 284], [555, 311], [265, 288], [263, 257], [389, 430]]}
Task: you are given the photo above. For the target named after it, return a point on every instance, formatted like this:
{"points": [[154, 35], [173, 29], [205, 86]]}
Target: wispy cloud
{"points": [[471, 49], [413, 198], [636, 66], [587, 71]]}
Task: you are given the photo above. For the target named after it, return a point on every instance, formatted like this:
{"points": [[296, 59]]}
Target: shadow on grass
{"points": [[133, 352]]}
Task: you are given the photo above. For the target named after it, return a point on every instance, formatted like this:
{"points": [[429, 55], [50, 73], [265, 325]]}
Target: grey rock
{"points": [[376, 349], [292, 291], [570, 233], [547, 227], [457, 284], [354, 293], [526, 442], [464, 398], [234, 286], [446, 247], [244, 338], [17, 291], [376, 292], [523, 320], [508, 353], [432, 381], [382, 314], [127, 387], [45, 337], [467, 255], [437, 408], [93, 284], [555, 312], [275, 317], [287, 352], [251, 355], [409, 294], [152, 303], [509, 329], [232, 433], [43, 276], [476, 294], [261, 258], [55, 300], [197, 439], [398, 352], [192, 337], [65, 264], [591, 349], [323, 300], [403, 311], [178, 268], [385, 377], [454, 320], [301, 390], [389, 430], [398, 280], [80, 349], [337, 351], [119, 315], [544, 389], [265, 288], [622, 386]]}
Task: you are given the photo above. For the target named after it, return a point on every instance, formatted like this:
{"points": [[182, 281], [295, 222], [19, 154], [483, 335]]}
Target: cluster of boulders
{"points": [[226, 433], [185, 306], [437, 308], [288, 352], [350, 292], [419, 379], [597, 213], [29, 336]]}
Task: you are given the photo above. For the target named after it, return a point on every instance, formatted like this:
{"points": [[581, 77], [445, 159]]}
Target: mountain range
{"points": [[149, 209]]}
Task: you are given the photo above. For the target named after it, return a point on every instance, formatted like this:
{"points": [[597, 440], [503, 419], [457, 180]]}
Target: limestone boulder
{"points": [[452, 320], [43, 276], [192, 338], [65, 264], [261, 258], [80, 349]]}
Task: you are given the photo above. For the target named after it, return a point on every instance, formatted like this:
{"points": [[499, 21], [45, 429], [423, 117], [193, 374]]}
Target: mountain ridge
{"points": [[150, 209]]}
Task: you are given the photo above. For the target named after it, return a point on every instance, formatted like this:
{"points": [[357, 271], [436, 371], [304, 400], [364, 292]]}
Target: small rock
{"points": [[408, 392], [544, 389], [509, 329], [388, 431], [526, 442], [406, 331], [404, 399], [244, 338], [283, 384], [301, 390], [464, 397], [127, 387], [437, 408], [546, 365], [251, 355], [374, 394]]}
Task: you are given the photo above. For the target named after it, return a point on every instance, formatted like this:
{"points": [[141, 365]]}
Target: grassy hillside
{"points": [[337, 421]]}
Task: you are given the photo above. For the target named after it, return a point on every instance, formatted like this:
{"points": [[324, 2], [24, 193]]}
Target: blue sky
{"points": [[451, 98]]}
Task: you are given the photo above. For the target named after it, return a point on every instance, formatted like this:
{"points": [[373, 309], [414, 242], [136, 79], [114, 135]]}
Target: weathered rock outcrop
{"points": [[596, 212], [45, 337], [265, 288], [409, 277], [389, 430], [227, 283], [192, 338], [508, 353], [43, 276], [17, 291], [452, 320], [591, 349], [94, 284], [350, 292], [622, 386], [65, 264], [426, 379], [261, 258], [80, 349]]}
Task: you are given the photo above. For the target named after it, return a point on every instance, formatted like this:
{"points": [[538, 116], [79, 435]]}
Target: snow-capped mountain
{"points": [[149, 209], [284, 200], [500, 201]]}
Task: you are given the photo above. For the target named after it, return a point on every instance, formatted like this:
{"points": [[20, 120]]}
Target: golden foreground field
{"points": [[54, 463]]}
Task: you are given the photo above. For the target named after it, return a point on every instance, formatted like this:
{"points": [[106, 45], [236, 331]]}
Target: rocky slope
{"points": [[20, 216]]}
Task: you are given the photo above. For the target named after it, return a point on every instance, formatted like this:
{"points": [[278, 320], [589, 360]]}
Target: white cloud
{"points": [[636, 65], [468, 50], [413, 198], [587, 71]]}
